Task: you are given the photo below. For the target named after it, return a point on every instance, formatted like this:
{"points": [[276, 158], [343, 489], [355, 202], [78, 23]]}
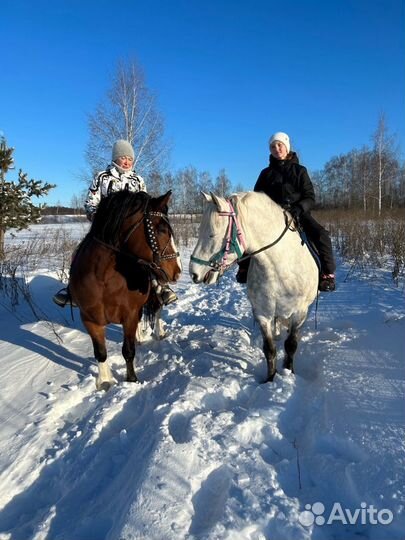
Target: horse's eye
{"points": [[213, 235], [162, 229]]}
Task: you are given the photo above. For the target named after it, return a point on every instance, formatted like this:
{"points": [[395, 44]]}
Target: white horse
{"points": [[283, 276]]}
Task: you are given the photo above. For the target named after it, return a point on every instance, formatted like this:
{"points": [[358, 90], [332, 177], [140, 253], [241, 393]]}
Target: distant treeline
{"points": [[370, 179], [62, 211], [361, 179]]}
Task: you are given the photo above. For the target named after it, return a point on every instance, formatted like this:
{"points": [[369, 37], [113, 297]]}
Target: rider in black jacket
{"points": [[288, 184]]}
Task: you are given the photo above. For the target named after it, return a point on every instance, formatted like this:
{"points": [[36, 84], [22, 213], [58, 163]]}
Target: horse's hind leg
{"points": [[269, 348], [290, 346], [105, 378]]}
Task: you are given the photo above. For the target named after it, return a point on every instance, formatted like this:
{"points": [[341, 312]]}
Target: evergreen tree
{"points": [[17, 211]]}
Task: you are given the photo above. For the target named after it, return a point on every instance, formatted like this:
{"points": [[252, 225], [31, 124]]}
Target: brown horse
{"points": [[130, 243]]}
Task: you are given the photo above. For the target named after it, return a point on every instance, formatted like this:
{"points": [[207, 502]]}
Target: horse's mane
{"points": [[260, 201], [112, 211]]}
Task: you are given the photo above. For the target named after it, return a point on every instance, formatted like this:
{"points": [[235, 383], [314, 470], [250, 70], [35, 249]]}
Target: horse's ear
{"points": [[163, 200], [220, 203], [207, 197]]}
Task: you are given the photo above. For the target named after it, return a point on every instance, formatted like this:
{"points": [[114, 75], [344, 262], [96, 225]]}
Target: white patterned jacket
{"points": [[110, 181]]}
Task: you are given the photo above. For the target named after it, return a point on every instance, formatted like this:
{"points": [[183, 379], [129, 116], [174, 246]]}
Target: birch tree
{"points": [[129, 111], [384, 159], [222, 185]]}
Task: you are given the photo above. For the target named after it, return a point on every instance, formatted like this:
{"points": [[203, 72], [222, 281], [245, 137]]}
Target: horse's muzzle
{"points": [[195, 278], [209, 278]]}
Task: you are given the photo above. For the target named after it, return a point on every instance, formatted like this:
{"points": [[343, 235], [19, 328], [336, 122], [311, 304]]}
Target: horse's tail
{"points": [[150, 309]]}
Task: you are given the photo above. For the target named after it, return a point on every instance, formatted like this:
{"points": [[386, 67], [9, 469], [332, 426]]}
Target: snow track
{"points": [[201, 448]]}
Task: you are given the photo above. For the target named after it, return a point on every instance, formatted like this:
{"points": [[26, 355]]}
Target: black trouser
{"points": [[321, 240]]}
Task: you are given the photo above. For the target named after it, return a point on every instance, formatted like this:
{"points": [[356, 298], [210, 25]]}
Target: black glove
{"points": [[296, 211]]}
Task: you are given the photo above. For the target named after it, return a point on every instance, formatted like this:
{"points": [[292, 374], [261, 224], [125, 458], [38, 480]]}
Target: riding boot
{"points": [[63, 297], [327, 282], [167, 296], [320, 238], [164, 294], [241, 276]]}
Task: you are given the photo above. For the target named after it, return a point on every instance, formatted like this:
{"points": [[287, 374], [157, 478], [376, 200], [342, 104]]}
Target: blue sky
{"points": [[227, 74]]}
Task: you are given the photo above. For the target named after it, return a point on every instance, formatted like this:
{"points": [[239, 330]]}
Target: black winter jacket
{"points": [[287, 183]]}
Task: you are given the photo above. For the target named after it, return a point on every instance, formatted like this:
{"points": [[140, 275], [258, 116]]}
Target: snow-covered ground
{"points": [[201, 448]]}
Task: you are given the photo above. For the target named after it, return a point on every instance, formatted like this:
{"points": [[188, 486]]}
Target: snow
{"points": [[201, 448]]}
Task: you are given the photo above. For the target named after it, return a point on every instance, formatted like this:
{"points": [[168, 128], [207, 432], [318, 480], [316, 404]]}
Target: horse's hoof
{"points": [[289, 367], [105, 385], [269, 379]]}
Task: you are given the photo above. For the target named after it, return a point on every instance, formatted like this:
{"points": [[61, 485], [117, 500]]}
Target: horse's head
{"points": [[149, 236], [137, 225], [218, 243]]}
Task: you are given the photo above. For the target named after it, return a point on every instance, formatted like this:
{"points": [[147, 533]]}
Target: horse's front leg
{"points": [[269, 348], [159, 331], [128, 349], [105, 378]]}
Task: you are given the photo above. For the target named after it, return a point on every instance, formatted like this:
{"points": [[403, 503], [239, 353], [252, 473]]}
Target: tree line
{"points": [[370, 179], [186, 185]]}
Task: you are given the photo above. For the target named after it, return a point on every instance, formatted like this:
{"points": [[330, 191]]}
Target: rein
{"points": [[234, 240], [268, 246]]}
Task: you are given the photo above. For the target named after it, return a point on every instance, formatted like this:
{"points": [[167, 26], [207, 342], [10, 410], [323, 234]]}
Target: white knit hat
{"points": [[282, 137], [122, 148]]}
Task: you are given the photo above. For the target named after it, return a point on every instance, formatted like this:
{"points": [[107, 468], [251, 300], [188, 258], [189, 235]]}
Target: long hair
{"points": [[111, 212]]}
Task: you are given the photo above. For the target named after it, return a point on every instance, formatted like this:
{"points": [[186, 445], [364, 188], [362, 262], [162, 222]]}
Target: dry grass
{"points": [[43, 251], [364, 241], [368, 241]]}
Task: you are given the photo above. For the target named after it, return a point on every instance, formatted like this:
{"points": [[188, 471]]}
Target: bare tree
{"points": [[365, 175], [384, 158], [129, 112], [319, 183], [222, 184], [239, 188], [154, 183], [77, 203], [205, 182], [186, 190]]}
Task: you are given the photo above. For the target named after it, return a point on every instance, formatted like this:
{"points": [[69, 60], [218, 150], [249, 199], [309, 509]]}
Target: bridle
{"points": [[234, 242], [153, 266]]}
